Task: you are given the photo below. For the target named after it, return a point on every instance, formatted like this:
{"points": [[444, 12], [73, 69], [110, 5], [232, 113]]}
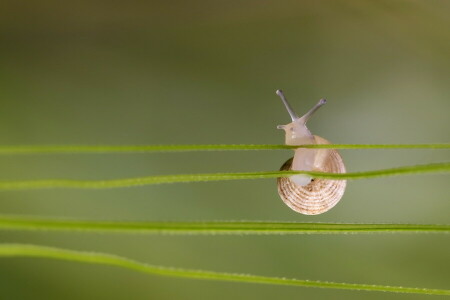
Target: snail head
{"points": [[296, 132]]}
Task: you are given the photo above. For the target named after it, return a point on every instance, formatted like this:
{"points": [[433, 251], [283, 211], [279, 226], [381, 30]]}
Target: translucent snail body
{"points": [[302, 193]]}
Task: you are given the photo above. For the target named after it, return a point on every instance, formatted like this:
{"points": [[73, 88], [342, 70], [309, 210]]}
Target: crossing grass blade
{"points": [[150, 180]]}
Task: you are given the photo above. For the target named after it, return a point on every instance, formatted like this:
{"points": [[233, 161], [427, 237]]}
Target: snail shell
{"points": [[320, 195], [302, 193]]}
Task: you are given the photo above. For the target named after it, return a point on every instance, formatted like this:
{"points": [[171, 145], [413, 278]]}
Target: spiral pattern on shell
{"points": [[318, 196]]}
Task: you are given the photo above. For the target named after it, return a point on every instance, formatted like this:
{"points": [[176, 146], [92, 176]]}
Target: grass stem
{"points": [[211, 228], [24, 250], [67, 149]]}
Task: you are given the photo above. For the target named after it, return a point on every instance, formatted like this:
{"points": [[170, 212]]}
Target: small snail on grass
{"points": [[302, 193]]}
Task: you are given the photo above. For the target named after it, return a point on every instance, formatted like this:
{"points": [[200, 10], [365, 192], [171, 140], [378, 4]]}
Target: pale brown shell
{"points": [[321, 194]]}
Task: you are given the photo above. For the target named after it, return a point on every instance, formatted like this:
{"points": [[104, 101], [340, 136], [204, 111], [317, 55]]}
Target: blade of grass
{"points": [[61, 149], [149, 180], [24, 250], [213, 228]]}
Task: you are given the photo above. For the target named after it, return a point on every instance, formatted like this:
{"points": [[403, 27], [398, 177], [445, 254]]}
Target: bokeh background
{"points": [[205, 72]]}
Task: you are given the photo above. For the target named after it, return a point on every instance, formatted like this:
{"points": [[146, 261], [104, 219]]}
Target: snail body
{"points": [[302, 193]]}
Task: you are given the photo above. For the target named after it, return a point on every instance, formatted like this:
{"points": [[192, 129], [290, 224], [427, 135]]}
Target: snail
{"points": [[302, 193]]}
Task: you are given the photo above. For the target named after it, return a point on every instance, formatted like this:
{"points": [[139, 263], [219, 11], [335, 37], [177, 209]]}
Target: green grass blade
{"points": [[212, 228], [141, 181], [61, 149], [23, 250]]}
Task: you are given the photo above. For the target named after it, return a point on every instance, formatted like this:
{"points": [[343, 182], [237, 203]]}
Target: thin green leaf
{"points": [[230, 227], [61, 149], [23, 250], [141, 181]]}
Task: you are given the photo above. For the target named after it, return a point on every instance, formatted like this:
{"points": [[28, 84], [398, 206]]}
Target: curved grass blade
{"points": [[62, 149], [150, 180], [212, 228], [24, 250]]}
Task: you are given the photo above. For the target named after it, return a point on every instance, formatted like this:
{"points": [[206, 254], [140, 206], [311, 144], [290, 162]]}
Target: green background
{"points": [[205, 72]]}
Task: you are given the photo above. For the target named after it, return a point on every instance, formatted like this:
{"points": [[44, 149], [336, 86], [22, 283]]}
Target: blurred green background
{"points": [[205, 72]]}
